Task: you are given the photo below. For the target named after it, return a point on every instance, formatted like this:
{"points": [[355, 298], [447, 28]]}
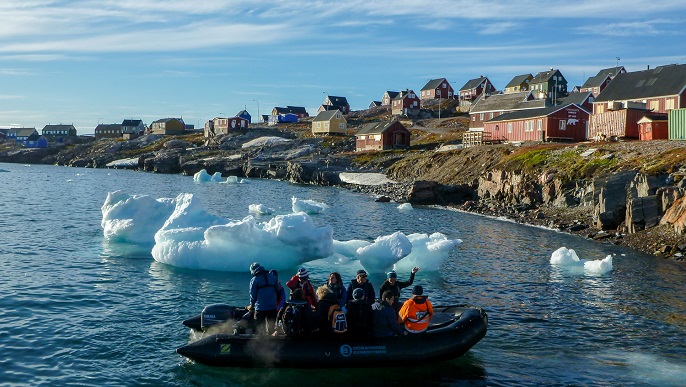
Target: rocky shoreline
{"points": [[625, 205]]}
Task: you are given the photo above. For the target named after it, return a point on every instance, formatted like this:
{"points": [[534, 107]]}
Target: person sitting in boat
{"points": [[281, 294], [301, 280], [386, 319], [322, 317], [416, 312], [335, 284], [361, 282], [263, 296], [359, 316], [296, 317], [391, 283]]}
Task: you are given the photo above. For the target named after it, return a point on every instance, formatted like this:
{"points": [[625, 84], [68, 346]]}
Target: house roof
{"points": [[653, 118], [403, 94], [434, 83], [338, 101], [392, 94], [168, 119], [376, 127], [531, 113], [518, 80], [544, 76], [577, 98], [660, 81], [108, 126], [512, 101], [23, 132], [375, 103], [473, 83], [131, 122], [58, 127], [326, 115], [242, 113], [612, 71], [34, 137], [595, 81]]}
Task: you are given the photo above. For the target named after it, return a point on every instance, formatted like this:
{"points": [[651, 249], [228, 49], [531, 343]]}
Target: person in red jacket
{"points": [[301, 280], [416, 312]]}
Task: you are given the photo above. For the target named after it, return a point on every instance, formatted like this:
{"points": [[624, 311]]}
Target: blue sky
{"points": [[91, 61]]}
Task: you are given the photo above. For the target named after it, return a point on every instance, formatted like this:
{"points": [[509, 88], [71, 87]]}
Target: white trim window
{"points": [[563, 125]]}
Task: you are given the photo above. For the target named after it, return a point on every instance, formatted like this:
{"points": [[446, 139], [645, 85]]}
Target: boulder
{"points": [[610, 192], [676, 216]]}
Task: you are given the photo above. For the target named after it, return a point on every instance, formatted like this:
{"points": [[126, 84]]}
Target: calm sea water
{"points": [[75, 310]]}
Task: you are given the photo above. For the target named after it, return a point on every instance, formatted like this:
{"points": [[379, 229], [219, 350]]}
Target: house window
{"points": [[540, 125], [527, 126], [326, 125], [319, 125], [509, 127], [669, 104], [340, 126], [481, 116], [563, 125], [655, 105], [444, 85]]}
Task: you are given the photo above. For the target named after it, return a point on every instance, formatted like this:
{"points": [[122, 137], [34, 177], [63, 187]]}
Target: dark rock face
{"points": [[611, 194], [164, 161]]}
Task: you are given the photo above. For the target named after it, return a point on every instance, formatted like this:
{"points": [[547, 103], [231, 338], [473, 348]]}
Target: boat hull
{"points": [[453, 332]]}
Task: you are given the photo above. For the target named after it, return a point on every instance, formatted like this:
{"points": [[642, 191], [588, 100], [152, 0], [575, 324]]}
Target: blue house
{"points": [[245, 114], [282, 118], [36, 141]]}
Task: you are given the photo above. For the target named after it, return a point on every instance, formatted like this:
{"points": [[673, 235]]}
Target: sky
{"points": [[85, 62]]}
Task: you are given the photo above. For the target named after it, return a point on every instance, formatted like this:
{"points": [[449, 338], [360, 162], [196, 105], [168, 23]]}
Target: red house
{"points": [[474, 88], [405, 103], [653, 127], [555, 123], [437, 89], [382, 136]]}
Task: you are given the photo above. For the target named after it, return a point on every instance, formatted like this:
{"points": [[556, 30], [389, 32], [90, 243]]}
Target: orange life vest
{"points": [[416, 314]]}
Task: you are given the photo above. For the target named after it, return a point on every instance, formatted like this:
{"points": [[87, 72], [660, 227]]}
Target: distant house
{"points": [[36, 141], [168, 126], [653, 127], [382, 136], [488, 107], [282, 118], [21, 134], [388, 97], [299, 111], [335, 103], [554, 123], [329, 122], [405, 103], [246, 115], [221, 125], [108, 131], [59, 130], [132, 127], [475, 88], [437, 89], [374, 104], [519, 83], [596, 83], [550, 85]]}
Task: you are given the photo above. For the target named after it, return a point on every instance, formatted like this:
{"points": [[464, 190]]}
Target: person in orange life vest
{"points": [[301, 280], [416, 312]]}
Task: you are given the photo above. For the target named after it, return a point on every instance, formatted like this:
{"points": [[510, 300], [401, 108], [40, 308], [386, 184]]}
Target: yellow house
{"points": [[329, 122]]}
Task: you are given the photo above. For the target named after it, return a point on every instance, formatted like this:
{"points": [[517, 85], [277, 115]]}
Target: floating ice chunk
{"points": [[235, 180], [260, 209], [405, 207], [283, 242], [134, 219], [567, 258], [349, 248], [203, 176], [428, 251], [308, 206], [381, 255]]}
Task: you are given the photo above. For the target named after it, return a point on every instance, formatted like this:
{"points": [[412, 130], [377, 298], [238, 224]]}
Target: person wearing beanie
{"points": [[359, 316], [361, 282], [416, 312], [263, 298], [301, 280], [391, 283]]}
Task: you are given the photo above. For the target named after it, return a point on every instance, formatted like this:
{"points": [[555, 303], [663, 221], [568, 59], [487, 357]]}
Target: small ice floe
{"points": [[565, 257], [309, 207], [405, 207], [235, 180], [260, 209], [203, 176]]}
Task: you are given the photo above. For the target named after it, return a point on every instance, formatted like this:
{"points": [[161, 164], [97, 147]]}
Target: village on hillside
{"points": [[613, 104]]}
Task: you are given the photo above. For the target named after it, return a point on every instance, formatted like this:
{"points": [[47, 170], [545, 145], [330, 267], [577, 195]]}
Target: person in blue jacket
{"points": [[281, 293], [263, 298], [385, 318]]}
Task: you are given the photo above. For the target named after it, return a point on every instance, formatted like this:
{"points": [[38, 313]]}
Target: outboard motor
{"points": [[217, 314]]}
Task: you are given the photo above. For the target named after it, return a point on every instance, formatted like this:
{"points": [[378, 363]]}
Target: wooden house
{"points": [[282, 119], [554, 123], [132, 127], [244, 114], [168, 126], [405, 103], [437, 89], [653, 127], [550, 85], [335, 103], [488, 107], [108, 131], [59, 130], [374, 104], [220, 125], [388, 97], [474, 88], [596, 83], [616, 123], [299, 111], [329, 122], [382, 136], [36, 141], [583, 99], [20, 134], [519, 83]]}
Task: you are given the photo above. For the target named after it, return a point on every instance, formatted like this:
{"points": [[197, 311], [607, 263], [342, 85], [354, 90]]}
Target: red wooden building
{"points": [[382, 136], [615, 123], [653, 127], [556, 123]]}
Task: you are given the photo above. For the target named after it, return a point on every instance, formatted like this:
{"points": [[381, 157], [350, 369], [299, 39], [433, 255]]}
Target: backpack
{"points": [[292, 320], [339, 324]]}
